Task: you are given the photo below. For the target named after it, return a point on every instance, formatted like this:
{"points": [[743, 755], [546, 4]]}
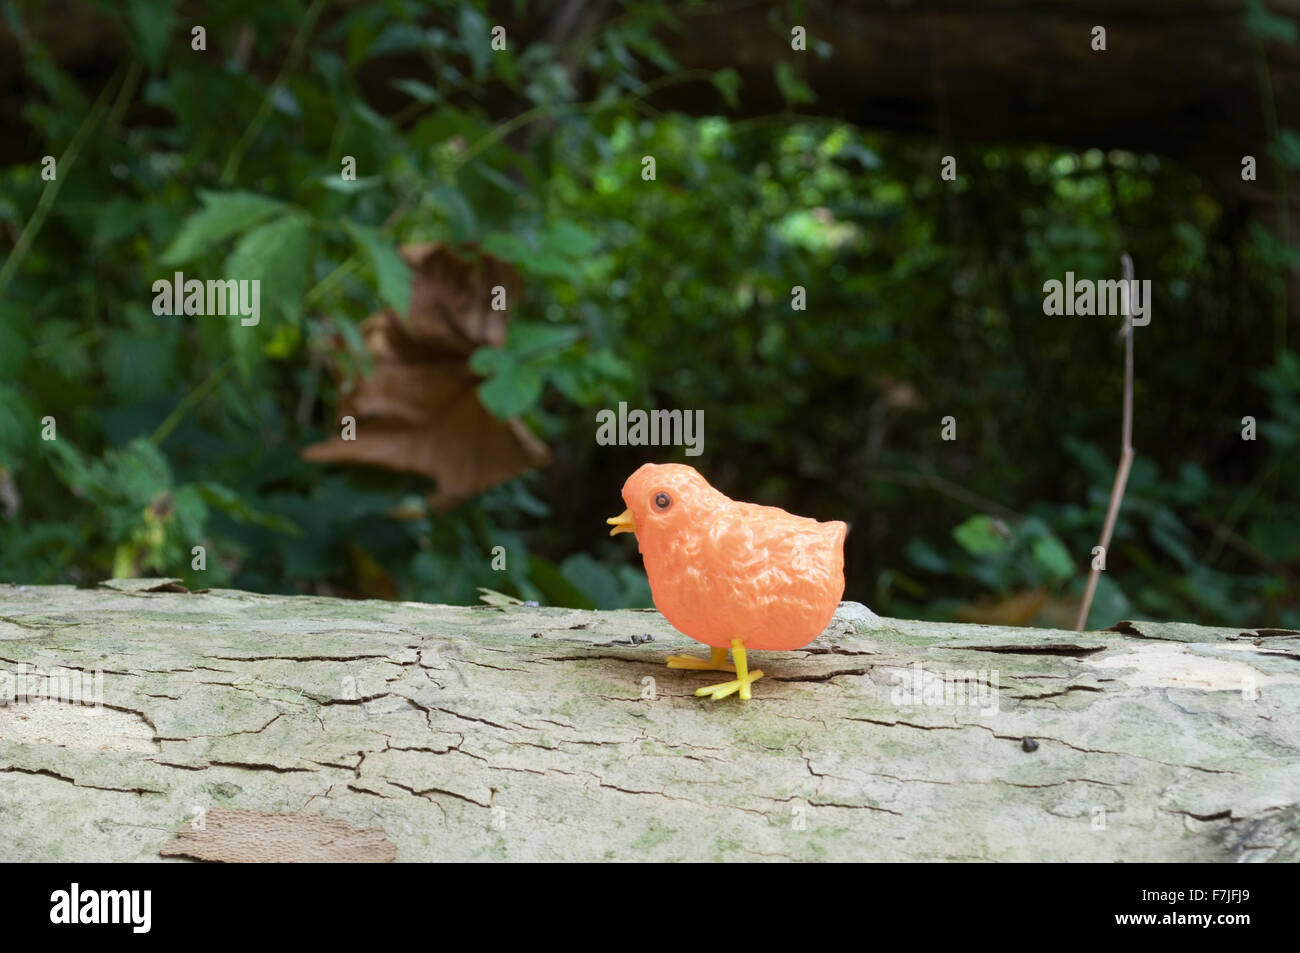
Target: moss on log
{"points": [[486, 733]]}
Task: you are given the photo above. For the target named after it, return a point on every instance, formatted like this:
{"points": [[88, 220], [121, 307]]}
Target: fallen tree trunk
{"points": [[483, 733]]}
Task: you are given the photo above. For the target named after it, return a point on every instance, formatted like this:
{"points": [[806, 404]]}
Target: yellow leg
{"points": [[716, 661], [744, 677]]}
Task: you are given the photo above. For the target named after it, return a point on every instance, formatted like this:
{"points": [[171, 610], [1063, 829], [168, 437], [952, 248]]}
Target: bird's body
{"points": [[755, 573], [732, 574]]}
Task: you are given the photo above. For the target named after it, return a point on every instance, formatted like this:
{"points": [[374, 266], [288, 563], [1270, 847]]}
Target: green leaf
{"points": [[124, 480], [727, 82], [557, 589], [1210, 590], [593, 579], [391, 273], [550, 265], [1277, 433], [226, 500], [223, 214], [139, 472], [488, 174], [460, 214], [151, 22], [277, 255], [1287, 148], [508, 247], [476, 38], [924, 556], [375, 120], [487, 361], [983, 536], [1193, 483], [793, 89], [1169, 533], [512, 391], [587, 376], [653, 50], [569, 239], [1266, 25], [528, 339], [420, 92], [1052, 557], [398, 38], [1109, 604], [855, 150], [636, 588], [362, 33], [1272, 251]]}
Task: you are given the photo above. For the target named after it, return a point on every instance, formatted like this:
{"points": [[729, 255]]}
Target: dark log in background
{"points": [[1179, 78]]}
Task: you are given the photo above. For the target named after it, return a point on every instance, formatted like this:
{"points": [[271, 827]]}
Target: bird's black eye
{"points": [[662, 501]]}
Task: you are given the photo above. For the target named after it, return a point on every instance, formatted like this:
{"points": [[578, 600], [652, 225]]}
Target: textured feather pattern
{"points": [[721, 570]]}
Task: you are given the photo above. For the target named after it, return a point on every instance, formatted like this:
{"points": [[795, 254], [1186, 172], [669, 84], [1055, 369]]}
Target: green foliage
{"points": [[514, 376], [1267, 25], [223, 215], [1003, 557], [391, 273], [924, 300]]}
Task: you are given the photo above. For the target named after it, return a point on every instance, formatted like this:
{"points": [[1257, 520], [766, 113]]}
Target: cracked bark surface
{"points": [[478, 733]]}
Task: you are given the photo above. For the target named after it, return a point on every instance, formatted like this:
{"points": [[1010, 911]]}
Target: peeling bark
{"points": [[480, 733]]}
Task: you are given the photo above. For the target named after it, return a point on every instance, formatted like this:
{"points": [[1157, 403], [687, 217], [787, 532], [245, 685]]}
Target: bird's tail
{"points": [[837, 531]]}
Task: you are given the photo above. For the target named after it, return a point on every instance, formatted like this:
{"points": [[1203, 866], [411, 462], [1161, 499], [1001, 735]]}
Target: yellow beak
{"points": [[623, 523]]}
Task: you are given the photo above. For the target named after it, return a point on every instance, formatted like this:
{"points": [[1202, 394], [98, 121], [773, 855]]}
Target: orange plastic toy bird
{"points": [[731, 574]]}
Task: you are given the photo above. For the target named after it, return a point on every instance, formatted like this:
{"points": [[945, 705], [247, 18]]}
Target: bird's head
{"points": [[663, 498]]}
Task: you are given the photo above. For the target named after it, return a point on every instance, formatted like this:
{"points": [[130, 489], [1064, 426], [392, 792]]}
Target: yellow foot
{"points": [[717, 662], [744, 677], [723, 689]]}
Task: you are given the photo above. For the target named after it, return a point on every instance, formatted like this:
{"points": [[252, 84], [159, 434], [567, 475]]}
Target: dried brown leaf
{"points": [[419, 412]]}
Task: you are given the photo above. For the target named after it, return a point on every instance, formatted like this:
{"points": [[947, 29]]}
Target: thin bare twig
{"points": [[1126, 446]]}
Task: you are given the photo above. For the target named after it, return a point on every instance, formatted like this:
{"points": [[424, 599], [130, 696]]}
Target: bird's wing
{"points": [[767, 541]]}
